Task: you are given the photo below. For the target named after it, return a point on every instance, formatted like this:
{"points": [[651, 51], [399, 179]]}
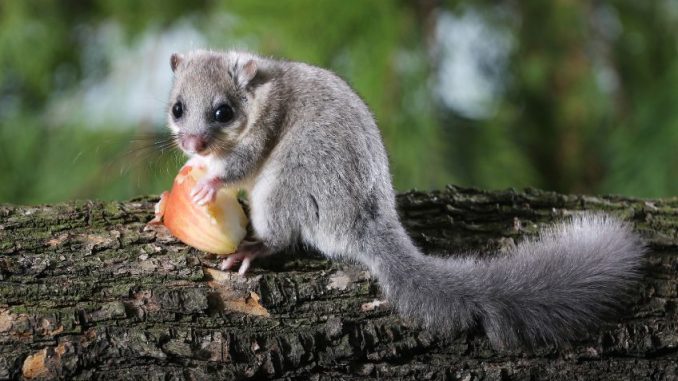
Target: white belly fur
{"points": [[258, 198]]}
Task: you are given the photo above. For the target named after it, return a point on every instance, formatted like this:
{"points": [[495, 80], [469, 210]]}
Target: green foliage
{"points": [[363, 43], [586, 105]]}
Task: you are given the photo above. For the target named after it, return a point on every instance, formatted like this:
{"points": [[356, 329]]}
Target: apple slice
{"points": [[217, 227]]}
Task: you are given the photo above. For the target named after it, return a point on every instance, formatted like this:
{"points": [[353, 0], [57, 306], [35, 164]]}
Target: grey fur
{"points": [[310, 154]]}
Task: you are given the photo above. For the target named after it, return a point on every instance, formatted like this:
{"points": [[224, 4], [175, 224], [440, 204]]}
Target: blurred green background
{"points": [[573, 96]]}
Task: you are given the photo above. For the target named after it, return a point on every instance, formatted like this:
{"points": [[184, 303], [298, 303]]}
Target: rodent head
{"points": [[210, 100]]}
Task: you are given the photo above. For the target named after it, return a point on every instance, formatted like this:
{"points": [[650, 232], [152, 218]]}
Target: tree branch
{"points": [[86, 291]]}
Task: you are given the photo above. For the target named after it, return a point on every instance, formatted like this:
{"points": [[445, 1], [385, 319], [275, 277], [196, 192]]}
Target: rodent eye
{"points": [[177, 110], [223, 114]]}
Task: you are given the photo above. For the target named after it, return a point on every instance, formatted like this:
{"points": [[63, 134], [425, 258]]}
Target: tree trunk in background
{"points": [[86, 292]]}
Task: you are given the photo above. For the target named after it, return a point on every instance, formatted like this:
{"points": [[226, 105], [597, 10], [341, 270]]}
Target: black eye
{"points": [[177, 110], [223, 114]]}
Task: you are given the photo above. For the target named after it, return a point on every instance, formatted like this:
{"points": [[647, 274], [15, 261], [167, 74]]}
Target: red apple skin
{"points": [[217, 227]]}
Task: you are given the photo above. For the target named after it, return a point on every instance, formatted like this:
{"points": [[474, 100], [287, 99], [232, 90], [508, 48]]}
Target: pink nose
{"points": [[193, 143]]}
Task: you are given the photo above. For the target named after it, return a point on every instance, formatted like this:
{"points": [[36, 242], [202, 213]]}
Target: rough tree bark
{"points": [[87, 293]]}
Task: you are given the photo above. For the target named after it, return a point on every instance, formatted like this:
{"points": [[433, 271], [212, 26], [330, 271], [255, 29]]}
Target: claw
{"points": [[206, 191], [247, 252]]}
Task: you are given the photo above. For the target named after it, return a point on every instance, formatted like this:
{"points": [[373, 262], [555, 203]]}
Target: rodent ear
{"points": [[247, 72], [175, 60]]}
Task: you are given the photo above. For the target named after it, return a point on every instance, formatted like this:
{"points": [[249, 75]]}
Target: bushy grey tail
{"points": [[546, 290]]}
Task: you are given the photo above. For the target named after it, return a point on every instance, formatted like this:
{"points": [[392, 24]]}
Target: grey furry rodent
{"points": [[308, 151]]}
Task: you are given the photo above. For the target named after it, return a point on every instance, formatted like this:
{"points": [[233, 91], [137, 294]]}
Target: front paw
{"points": [[205, 190]]}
